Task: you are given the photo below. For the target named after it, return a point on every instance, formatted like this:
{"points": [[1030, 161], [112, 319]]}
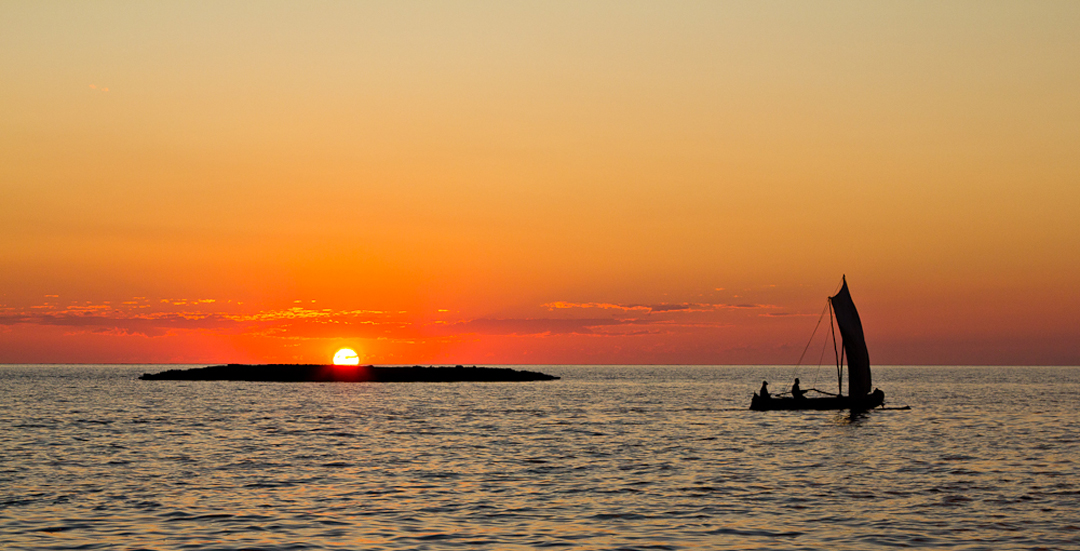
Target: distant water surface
{"points": [[609, 457]]}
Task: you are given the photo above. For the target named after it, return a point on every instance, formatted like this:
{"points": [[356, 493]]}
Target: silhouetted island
{"points": [[296, 373]]}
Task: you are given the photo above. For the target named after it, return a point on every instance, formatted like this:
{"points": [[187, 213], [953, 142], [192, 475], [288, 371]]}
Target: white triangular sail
{"points": [[847, 319]]}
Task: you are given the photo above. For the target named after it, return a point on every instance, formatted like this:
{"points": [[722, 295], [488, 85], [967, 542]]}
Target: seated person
{"points": [[797, 392], [764, 392]]}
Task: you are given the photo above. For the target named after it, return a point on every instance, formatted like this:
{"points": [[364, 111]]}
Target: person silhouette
{"points": [[764, 392], [797, 392]]}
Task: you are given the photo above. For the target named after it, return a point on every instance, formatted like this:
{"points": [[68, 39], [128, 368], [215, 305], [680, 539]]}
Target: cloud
{"points": [[170, 316], [604, 327], [114, 332], [156, 323], [671, 308], [541, 326], [294, 313], [149, 318], [560, 305], [655, 308]]}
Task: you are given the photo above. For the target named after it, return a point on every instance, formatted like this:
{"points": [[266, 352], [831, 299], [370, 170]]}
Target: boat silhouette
{"points": [[853, 346]]}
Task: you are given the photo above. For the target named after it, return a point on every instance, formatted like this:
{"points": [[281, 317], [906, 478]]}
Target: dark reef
{"points": [[296, 373]]}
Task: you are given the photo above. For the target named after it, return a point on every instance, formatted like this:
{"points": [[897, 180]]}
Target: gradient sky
{"points": [[537, 182]]}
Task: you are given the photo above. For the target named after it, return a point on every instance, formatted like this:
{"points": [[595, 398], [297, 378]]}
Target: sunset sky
{"points": [[537, 182]]}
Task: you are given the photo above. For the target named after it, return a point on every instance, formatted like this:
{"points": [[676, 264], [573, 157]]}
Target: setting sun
{"points": [[346, 356]]}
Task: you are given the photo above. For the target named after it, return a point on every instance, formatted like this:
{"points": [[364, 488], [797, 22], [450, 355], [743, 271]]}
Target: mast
{"points": [[836, 354], [854, 343]]}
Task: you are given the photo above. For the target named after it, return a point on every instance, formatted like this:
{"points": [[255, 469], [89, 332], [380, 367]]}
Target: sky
{"points": [[537, 182]]}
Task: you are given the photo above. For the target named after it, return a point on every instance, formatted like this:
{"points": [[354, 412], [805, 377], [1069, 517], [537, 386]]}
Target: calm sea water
{"points": [[606, 458]]}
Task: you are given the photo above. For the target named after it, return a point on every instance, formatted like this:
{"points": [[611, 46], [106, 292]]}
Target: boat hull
{"points": [[870, 401]]}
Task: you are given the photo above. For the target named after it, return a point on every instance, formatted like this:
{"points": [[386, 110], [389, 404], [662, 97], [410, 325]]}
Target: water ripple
{"points": [[606, 458]]}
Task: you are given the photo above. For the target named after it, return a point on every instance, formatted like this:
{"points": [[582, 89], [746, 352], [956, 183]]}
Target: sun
{"points": [[346, 356]]}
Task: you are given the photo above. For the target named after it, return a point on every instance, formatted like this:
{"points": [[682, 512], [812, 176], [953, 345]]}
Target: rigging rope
{"points": [[824, 347], [822, 316], [795, 368]]}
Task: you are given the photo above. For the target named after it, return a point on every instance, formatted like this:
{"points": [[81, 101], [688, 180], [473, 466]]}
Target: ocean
{"points": [[608, 457]]}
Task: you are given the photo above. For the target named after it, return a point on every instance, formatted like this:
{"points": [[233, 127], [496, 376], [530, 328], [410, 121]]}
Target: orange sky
{"points": [[542, 182]]}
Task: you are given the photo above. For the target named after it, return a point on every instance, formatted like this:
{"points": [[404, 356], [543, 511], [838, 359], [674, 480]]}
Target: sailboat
{"points": [[854, 347]]}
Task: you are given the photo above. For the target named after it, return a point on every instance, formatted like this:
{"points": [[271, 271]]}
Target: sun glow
{"points": [[346, 356]]}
